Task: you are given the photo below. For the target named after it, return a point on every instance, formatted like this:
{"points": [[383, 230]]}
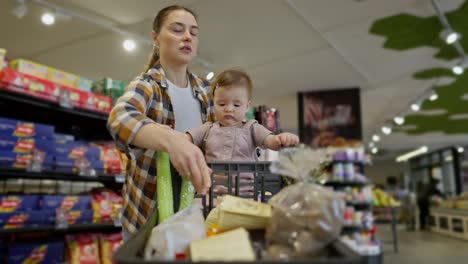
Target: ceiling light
{"points": [[371, 144], [399, 120], [460, 149], [48, 18], [374, 150], [129, 44], [412, 154], [210, 75], [20, 8], [434, 96], [458, 70], [386, 130], [415, 107], [460, 67], [449, 36], [376, 138]]}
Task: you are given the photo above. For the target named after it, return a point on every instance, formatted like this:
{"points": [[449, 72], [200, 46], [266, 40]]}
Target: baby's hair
{"points": [[232, 77]]}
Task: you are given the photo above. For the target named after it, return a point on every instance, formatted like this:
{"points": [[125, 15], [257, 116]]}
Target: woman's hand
{"points": [[189, 161]]}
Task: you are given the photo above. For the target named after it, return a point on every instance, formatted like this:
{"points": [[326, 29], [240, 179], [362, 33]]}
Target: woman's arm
{"points": [[130, 127]]}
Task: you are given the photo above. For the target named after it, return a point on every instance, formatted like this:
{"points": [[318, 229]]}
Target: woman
{"points": [[155, 108]]}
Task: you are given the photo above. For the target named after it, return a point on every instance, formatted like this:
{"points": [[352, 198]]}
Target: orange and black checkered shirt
{"points": [[146, 100]]}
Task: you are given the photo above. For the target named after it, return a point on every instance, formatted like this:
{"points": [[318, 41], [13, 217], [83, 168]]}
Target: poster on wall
{"points": [[330, 118]]}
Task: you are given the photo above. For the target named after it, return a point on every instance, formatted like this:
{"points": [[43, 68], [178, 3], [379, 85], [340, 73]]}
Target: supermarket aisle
{"points": [[423, 247]]}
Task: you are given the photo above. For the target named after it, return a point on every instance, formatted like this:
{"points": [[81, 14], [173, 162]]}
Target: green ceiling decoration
{"points": [[404, 32]]}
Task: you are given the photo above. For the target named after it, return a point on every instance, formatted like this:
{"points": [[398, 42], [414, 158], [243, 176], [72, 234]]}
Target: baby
{"points": [[231, 138]]}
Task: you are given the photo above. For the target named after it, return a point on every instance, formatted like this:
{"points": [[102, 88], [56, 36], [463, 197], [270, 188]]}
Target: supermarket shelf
{"points": [[345, 184], [102, 227], [356, 162], [360, 206], [80, 122], [353, 228], [8, 173]]}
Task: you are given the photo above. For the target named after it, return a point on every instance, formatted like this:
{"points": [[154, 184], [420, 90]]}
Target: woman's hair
{"points": [[232, 77], [158, 23]]}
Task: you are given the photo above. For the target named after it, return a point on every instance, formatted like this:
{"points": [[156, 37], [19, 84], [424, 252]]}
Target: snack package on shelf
{"points": [[233, 245], [83, 249], [22, 129], [109, 87], [30, 68], [21, 219], [172, 237], [29, 85], [29, 253], [13, 203], [63, 78], [2, 58], [85, 84], [105, 205], [67, 202], [306, 216], [108, 245]]}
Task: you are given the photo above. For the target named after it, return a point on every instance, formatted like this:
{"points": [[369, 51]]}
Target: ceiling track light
{"points": [[376, 138], [449, 36], [387, 130], [399, 120], [459, 69], [415, 107], [374, 150]]}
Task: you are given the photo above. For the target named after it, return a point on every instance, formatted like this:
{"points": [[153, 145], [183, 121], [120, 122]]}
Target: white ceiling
{"points": [[308, 45]]}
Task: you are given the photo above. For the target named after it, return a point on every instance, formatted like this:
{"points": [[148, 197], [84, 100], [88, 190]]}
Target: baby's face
{"points": [[231, 104]]}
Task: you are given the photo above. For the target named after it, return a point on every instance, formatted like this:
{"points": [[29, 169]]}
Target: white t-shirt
{"points": [[187, 111]]}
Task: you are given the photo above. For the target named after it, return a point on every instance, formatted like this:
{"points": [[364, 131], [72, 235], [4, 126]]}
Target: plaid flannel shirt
{"points": [[146, 100]]}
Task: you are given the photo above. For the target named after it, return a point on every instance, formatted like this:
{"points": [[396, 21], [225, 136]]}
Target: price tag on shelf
{"points": [[118, 217], [61, 218], [65, 100], [120, 178]]}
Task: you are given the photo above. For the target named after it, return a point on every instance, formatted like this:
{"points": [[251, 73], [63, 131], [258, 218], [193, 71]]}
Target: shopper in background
{"points": [[155, 107], [424, 200], [231, 138]]}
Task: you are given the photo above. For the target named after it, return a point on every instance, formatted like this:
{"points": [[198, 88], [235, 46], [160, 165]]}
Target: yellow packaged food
{"points": [[30, 68]]}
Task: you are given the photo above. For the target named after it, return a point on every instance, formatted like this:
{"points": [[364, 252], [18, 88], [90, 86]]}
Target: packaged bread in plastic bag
{"points": [[306, 217], [172, 237]]}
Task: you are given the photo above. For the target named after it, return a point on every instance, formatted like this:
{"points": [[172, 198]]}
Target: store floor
{"points": [[422, 247]]}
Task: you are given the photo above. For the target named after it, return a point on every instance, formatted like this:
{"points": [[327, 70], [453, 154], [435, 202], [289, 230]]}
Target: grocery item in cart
{"points": [[306, 216], [235, 212], [234, 245], [83, 249], [172, 237]]}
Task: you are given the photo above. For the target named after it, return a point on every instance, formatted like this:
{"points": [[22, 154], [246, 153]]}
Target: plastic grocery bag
{"points": [[306, 216], [173, 236]]}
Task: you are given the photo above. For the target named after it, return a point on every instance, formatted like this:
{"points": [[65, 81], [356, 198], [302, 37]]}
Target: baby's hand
{"points": [[287, 139]]}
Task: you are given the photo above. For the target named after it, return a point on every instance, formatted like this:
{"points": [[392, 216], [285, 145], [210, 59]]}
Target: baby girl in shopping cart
{"points": [[231, 138]]}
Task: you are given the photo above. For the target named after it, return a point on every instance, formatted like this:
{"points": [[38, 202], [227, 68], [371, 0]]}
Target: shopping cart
{"points": [[265, 185]]}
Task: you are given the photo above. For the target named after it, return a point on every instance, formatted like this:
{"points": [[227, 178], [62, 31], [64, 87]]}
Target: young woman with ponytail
{"points": [[155, 111]]}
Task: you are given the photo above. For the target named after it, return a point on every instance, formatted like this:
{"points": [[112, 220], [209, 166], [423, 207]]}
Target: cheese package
{"points": [[237, 212], [229, 246]]}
